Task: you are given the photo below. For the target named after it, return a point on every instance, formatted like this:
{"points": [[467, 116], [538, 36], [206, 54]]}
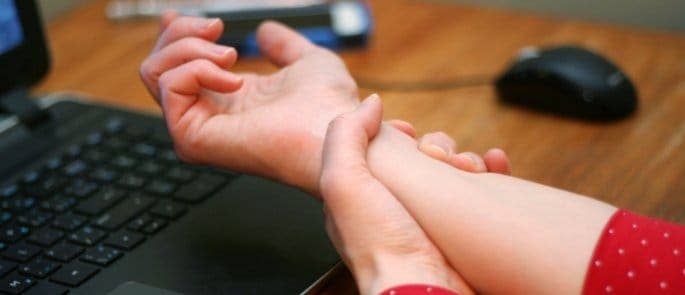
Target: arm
{"points": [[504, 235]]}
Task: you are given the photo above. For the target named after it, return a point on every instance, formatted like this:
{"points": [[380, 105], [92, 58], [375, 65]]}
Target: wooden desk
{"points": [[634, 163]]}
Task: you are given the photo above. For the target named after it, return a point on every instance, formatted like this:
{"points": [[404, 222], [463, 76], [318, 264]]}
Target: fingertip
{"points": [[281, 44], [404, 126], [497, 161], [463, 162], [167, 17]]}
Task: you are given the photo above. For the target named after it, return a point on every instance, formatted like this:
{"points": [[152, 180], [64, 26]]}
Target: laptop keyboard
{"points": [[90, 204]]}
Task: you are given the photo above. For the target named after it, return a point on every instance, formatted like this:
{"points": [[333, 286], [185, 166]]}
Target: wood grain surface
{"points": [[636, 163]]}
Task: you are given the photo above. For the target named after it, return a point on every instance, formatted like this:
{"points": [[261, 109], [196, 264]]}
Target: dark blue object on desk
{"points": [[336, 26]]}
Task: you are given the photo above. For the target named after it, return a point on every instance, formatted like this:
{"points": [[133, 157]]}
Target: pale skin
{"points": [[500, 234]]}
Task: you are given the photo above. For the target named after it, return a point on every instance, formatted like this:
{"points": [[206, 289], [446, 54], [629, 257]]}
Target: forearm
{"points": [[503, 234]]}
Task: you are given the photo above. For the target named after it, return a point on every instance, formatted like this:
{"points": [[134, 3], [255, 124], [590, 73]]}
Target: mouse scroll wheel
{"points": [[529, 52]]}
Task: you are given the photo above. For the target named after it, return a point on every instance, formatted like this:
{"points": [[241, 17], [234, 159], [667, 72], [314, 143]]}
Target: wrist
{"points": [[384, 271]]}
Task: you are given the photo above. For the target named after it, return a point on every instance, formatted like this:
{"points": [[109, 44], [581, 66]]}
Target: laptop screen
{"points": [[11, 34], [24, 56]]}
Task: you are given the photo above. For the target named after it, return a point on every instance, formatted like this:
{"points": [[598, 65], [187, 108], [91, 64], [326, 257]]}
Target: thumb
{"points": [[281, 44], [348, 137]]}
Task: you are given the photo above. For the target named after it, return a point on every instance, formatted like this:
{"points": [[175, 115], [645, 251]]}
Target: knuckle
{"points": [[146, 68]]}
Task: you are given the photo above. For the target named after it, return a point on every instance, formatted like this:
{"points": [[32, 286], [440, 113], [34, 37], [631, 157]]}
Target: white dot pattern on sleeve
{"points": [[638, 255]]}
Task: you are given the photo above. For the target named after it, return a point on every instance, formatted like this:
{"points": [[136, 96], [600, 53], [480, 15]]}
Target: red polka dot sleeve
{"points": [[638, 255], [417, 289]]}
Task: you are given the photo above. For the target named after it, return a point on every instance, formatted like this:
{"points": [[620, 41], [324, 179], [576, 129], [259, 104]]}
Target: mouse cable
{"points": [[422, 85]]}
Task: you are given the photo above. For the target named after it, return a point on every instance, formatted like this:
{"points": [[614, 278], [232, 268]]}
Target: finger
{"points": [[181, 87], [404, 126], [348, 135], [281, 44], [497, 161], [167, 17], [438, 145], [468, 161], [180, 52], [186, 26]]}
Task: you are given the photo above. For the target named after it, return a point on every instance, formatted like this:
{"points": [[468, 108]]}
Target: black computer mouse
{"points": [[569, 81]]}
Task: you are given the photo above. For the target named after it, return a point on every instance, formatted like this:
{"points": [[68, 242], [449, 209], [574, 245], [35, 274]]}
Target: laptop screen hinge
{"points": [[18, 103]]}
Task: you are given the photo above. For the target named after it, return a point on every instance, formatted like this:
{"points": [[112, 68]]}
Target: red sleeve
{"points": [[638, 255], [417, 289]]}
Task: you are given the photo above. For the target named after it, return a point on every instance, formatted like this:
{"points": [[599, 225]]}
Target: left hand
{"points": [[380, 242]]}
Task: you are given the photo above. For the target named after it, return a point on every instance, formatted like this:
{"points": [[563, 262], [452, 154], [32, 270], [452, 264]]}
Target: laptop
{"points": [[93, 199]]}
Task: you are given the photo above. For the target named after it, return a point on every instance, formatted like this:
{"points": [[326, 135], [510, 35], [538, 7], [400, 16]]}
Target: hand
{"points": [[269, 125], [440, 146], [379, 241]]}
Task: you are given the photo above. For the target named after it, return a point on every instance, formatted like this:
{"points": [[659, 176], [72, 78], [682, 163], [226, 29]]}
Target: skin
{"points": [[391, 248], [499, 233]]}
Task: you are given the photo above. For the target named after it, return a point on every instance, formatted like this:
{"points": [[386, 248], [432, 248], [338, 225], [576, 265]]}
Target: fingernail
{"points": [[206, 23], [222, 50], [373, 98], [437, 146], [476, 164]]}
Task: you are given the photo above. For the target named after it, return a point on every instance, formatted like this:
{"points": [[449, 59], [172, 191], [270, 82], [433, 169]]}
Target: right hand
{"points": [[269, 125], [441, 147]]}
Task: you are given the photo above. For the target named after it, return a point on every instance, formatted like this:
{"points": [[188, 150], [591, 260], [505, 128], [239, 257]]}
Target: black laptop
{"points": [[93, 200]]}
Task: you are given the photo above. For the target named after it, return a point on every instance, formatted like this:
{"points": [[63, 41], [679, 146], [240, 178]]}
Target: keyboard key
{"points": [[115, 144], [45, 288], [94, 139], [136, 132], [125, 240], [124, 162], [64, 252], [132, 181], [102, 200], [181, 174], [138, 223], [96, 156], [124, 211], [73, 151], [8, 191], [15, 284], [46, 237], [151, 168], [58, 204], [31, 177], [114, 125], [21, 252], [168, 155], [5, 217], [75, 168], [160, 187], [144, 150], [199, 189], [53, 163], [169, 209], [104, 174], [154, 226], [18, 203], [35, 218], [81, 188], [69, 221], [39, 268], [13, 232], [87, 236], [101, 255], [6, 266], [46, 187], [74, 274]]}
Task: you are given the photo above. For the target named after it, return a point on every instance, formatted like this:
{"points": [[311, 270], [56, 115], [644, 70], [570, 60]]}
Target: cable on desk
{"points": [[422, 85]]}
